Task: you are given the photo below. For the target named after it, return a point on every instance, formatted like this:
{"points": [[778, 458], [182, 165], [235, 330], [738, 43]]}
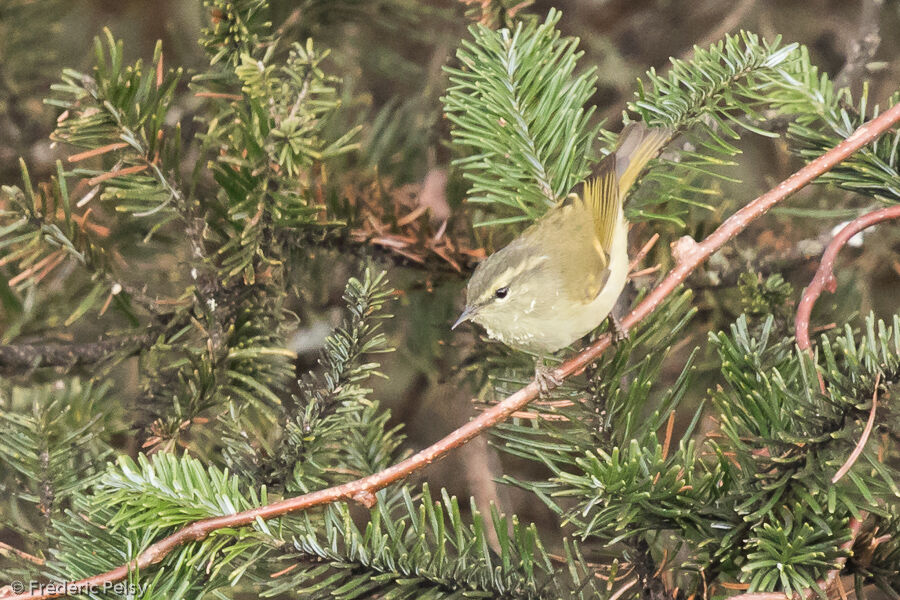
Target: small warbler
{"points": [[561, 277]]}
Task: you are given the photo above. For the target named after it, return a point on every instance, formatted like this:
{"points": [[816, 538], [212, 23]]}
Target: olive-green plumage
{"points": [[561, 277]]}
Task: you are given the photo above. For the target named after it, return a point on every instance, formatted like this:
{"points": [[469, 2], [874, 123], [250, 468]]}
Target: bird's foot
{"points": [[545, 378], [619, 331]]}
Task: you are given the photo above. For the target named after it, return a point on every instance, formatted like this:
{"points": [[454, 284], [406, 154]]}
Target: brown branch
{"points": [[824, 277], [857, 450], [19, 358], [623, 589], [691, 255], [7, 549], [642, 252]]}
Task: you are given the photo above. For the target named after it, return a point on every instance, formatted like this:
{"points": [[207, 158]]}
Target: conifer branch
{"points": [[832, 577], [531, 135], [689, 255], [20, 358]]}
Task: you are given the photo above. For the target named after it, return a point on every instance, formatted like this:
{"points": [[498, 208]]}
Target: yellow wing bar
{"points": [[602, 196], [616, 173]]}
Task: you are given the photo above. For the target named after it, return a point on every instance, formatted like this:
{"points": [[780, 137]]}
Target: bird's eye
{"points": [[501, 293]]}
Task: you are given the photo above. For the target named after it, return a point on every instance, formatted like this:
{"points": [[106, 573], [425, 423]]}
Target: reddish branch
{"points": [[824, 278], [863, 439], [689, 255], [7, 549]]}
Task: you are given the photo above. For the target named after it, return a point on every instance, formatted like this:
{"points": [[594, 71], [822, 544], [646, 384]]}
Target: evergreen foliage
{"points": [[656, 496], [532, 139], [425, 549]]}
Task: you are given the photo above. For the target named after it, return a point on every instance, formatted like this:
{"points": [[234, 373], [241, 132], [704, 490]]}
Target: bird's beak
{"points": [[465, 316]]}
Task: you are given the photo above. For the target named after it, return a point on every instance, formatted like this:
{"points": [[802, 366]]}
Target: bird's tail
{"points": [[638, 145], [615, 174]]}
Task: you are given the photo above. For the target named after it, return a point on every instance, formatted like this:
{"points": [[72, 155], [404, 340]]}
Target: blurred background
{"points": [[390, 54]]}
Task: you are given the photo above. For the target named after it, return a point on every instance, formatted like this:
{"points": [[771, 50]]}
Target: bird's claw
{"points": [[546, 380], [619, 331]]}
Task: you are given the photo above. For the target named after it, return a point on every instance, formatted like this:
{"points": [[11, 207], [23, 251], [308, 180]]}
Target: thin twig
{"points": [[7, 549], [851, 460], [643, 252], [824, 277], [644, 272], [691, 253], [840, 587], [623, 589]]}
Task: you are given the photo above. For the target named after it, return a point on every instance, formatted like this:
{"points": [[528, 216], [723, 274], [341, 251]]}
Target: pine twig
{"points": [[832, 576], [689, 255], [19, 358], [642, 252], [621, 591]]}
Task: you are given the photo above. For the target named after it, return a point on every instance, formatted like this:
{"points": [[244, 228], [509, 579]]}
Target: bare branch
{"points": [[7, 549], [861, 444], [824, 277], [19, 358]]}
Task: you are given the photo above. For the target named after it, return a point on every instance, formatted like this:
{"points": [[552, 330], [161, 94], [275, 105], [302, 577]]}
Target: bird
{"points": [[561, 277]]}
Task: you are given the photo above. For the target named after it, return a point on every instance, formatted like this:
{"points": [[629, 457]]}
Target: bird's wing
{"points": [[582, 260], [587, 222], [595, 284]]}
